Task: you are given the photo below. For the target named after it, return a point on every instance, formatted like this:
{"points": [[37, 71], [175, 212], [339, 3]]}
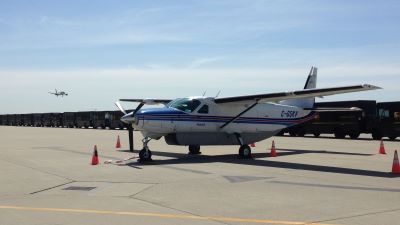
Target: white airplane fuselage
{"points": [[206, 127]]}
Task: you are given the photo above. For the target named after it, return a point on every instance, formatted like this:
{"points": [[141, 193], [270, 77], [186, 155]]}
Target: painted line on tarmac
{"points": [[338, 186], [159, 215]]}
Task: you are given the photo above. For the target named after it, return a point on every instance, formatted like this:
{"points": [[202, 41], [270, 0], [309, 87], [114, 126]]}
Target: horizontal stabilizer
{"points": [[323, 109]]}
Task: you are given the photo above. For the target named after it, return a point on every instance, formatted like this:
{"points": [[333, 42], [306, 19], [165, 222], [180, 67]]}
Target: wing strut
{"points": [[240, 114]]}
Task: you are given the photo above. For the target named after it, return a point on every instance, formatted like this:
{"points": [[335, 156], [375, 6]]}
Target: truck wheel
{"points": [[292, 134], [301, 133], [392, 138], [377, 135], [317, 134], [354, 135], [339, 133]]}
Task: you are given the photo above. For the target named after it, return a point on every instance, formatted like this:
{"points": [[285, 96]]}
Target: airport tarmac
{"points": [[46, 179]]}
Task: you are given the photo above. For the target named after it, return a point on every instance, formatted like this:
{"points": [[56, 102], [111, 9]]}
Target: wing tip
{"points": [[371, 87]]}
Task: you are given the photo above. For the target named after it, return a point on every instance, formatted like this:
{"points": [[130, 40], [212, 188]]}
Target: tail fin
{"points": [[311, 79], [310, 84]]}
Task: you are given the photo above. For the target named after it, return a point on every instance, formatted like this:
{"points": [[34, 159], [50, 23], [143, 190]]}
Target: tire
{"points": [[194, 149], [301, 133], [316, 134], [292, 134], [392, 138], [145, 155], [377, 135], [339, 133], [354, 135], [245, 151]]}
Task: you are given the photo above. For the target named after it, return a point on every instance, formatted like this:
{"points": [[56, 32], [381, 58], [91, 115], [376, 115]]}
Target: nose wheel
{"points": [[145, 153]]}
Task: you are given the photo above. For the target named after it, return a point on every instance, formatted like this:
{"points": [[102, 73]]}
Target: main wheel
{"points": [[245, 151], [194, 149], [145, 155]]}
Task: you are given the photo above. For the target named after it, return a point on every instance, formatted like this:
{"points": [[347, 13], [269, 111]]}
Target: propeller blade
{"points": [[118, 104], [138, 108]]}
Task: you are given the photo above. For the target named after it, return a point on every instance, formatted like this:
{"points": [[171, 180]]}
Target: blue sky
{"points": [[100, 51]]}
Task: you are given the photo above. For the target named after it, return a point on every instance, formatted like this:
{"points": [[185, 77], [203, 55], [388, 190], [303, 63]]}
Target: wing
{"points": [[307, 93], [148, 101]]}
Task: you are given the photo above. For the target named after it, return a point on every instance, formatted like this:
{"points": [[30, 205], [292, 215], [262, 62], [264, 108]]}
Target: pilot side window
{"points": [[184, 104], [203, 109]]}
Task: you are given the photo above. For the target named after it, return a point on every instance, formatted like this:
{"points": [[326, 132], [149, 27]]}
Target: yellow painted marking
{"points": [[171, 216]]}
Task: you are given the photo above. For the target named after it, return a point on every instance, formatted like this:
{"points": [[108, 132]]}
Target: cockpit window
{"points": [[184, 104]]}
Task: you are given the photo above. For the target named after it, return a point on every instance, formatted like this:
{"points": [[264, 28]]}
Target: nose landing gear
{"points": [[145, 153]]}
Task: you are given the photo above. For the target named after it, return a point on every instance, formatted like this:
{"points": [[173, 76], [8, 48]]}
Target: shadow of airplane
{"points": [[182, 158]]}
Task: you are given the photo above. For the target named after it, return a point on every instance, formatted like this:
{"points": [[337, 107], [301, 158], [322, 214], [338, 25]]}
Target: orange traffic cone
{"points": [[396, 165], [382, 148], [95, 157], [273, 150], [253, 145], [118, 145]]}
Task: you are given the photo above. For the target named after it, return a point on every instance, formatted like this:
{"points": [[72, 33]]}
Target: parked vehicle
{"points": [[69, 119], [339, 123], [28, 120], [387, 123]]}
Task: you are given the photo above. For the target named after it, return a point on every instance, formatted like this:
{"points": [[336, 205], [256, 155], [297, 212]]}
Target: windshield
{"points": [[184, 104]]}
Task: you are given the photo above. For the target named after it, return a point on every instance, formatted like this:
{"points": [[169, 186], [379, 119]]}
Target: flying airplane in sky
{"points": [[240, 120], [56, 93]]}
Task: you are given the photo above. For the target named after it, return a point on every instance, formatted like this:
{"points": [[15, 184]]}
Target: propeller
{"points": [[119, 106], [130, 127]]}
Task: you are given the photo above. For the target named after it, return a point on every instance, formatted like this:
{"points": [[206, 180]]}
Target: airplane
{"points": [[62, 93], [239, 120]]}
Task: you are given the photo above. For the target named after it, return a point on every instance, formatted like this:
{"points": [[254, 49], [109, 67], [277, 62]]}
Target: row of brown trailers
{"points": [[87, 119]]}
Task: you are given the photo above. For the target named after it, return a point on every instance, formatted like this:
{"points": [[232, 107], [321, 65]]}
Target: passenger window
{"points": [[203, 109]]}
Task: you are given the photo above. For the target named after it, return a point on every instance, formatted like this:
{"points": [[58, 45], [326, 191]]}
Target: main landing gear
{"points": [[194, 149], [244, 150], [145, 153]]}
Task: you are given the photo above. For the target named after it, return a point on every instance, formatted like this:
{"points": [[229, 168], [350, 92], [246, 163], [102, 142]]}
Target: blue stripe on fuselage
{"points": [[171, 114]]}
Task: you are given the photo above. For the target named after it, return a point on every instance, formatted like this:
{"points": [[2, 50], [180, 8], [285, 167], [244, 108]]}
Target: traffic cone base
{"points": [[118, 145], [95, 157], [382, 148], [396, 165], [273, 150]]}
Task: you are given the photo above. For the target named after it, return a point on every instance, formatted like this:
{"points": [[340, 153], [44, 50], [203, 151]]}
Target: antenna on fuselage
{"points": [[218, 94], [204, 93]]}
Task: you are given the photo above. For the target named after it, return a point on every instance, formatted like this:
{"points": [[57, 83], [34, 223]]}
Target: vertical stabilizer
{"points": [[310, 84]]}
